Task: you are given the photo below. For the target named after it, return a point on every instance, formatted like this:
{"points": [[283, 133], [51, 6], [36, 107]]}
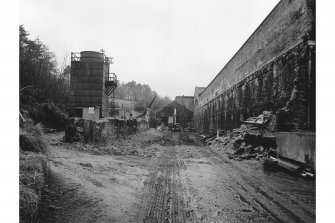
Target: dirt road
{"points": [[169, 177]]}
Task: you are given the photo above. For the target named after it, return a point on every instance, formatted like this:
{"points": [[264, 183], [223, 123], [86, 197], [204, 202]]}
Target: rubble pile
{"points": [[130, 145], [254, 139], [89, 131]]}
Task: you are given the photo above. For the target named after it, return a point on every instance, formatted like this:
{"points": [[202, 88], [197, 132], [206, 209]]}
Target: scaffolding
{"points": [[111, 85]]}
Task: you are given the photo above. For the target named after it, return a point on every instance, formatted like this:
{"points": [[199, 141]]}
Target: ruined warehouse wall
{"points": [[284, 27], [261, 75], [197, 92], [281, 83]]}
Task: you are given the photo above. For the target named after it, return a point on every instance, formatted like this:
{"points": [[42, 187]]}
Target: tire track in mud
{"points": [[250, 193], [163, 197], [281, 197], [255, 181]]}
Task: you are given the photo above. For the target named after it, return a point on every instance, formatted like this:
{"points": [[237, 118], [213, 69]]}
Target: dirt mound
{"points": [[131, 145], [143, 143]]}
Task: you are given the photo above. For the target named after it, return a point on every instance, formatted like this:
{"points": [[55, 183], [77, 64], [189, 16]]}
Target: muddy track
{"points": [[174, 180], [255, 181], [164, 193], [262, 197]]}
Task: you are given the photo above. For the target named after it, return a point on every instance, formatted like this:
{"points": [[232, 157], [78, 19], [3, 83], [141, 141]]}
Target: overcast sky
{"points": [[171, 45]]}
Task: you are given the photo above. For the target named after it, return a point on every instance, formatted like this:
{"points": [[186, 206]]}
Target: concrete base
{"points": [[297, 146], [91, 113]]}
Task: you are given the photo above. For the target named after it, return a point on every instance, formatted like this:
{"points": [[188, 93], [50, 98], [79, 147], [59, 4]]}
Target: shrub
{"points": [[33, 168], [32, 139], [49, 114], [28, 204]]}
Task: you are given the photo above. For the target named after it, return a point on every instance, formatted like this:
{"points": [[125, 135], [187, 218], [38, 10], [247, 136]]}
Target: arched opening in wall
{"points": [[224, 123], [216, 112], [221, 107], [211, 126], [311, 90], [253, 94], [259, 96], [231, 110], [284, 121]]}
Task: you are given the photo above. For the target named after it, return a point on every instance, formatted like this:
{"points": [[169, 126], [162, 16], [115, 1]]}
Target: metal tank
{"points": [[87, 83], [91, 56]]}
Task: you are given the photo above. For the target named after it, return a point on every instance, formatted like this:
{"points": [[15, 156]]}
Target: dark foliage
{"points": [[44, 88]]}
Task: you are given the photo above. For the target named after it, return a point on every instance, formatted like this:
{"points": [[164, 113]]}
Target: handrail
{"points": [[76, 57], [111, 77]]}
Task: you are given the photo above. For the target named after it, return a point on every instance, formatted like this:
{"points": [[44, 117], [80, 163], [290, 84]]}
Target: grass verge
{"points": [[34, 151]]}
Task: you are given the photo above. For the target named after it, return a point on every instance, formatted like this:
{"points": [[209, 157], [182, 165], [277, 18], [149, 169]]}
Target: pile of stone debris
{"points": [[254, 139], [144, 144]]}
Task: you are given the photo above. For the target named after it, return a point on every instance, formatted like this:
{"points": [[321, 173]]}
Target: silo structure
{"points": [[90, 84]]}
